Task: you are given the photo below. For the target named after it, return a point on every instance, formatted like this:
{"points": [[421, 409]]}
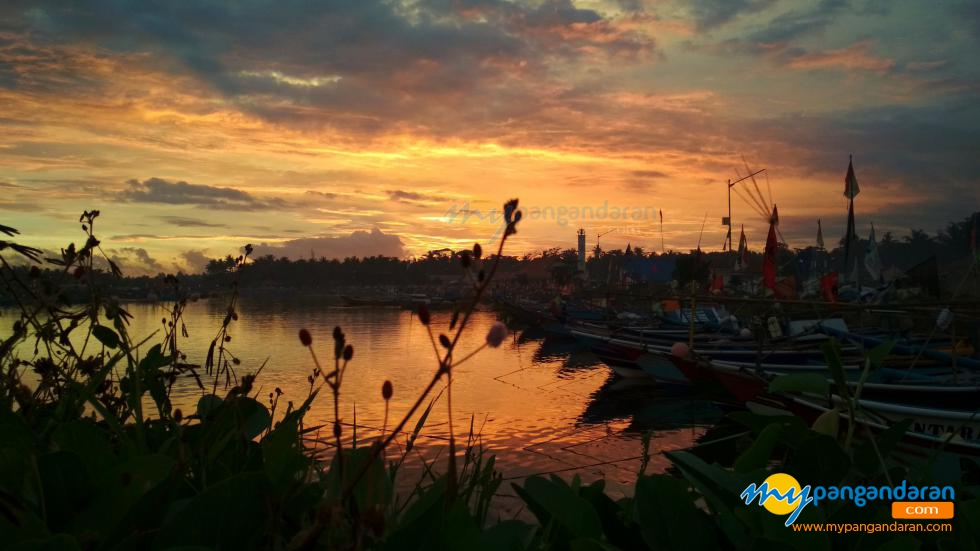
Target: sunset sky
{"points": [[352, 127]]}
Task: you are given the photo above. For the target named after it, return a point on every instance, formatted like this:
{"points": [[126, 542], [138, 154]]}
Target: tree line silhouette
{"points": [[556, 265]]}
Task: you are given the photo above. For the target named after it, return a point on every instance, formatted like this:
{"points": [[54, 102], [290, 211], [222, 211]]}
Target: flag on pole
{"points": [[743, 250], [819, 234], [871, 259], [849, 238], [851, 188], [769, 260]]}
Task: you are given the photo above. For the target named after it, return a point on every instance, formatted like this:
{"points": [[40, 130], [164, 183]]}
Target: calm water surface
{"points": [[540, 405]]}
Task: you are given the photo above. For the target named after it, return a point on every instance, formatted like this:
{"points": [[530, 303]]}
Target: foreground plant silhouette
{"points": [[85, 465]]}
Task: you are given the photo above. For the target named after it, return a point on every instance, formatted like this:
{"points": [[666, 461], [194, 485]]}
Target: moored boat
{"points": [[951, 430]]}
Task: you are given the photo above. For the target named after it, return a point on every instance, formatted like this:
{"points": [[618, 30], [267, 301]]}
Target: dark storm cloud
{"points": [[158, 190]]}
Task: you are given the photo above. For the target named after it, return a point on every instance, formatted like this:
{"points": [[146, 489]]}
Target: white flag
{"points": [[871, 259]]}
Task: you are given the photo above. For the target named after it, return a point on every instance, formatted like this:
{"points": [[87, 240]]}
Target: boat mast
{"points": [[851, 189], [728, 219]]}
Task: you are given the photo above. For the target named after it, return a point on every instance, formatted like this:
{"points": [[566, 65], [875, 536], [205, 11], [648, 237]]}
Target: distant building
{"points": [[581, 250]]}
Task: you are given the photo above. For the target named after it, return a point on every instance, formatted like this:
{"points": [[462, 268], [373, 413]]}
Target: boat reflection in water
{"points": [[649, 406], [605, 439]]}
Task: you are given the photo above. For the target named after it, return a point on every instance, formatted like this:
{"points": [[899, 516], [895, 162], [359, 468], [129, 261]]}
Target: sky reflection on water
{"points": [[540, 405]]}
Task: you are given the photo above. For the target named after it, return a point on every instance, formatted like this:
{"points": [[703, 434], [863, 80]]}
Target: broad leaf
{"points": [[106, 336]]}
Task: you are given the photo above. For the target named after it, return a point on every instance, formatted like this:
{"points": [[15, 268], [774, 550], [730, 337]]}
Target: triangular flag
{"points": [[743, 250], [819, 234], [871, 259], [769, 260], [851, 188]]}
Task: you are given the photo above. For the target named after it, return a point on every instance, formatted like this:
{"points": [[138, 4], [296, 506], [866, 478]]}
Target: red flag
{"points": [[828, 287], [717, 284], [786, 288], [769, 260]]}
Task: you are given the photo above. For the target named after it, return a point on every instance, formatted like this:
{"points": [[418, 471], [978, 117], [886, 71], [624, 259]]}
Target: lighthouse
{"points": [[581, 250]]}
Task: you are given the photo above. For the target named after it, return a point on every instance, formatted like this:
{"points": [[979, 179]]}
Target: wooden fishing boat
{"points": [[728, 350], [651, 349], [621, 360], [925, 351], [928, 389], [924, 394], [631, 362], [951, 430], [956, 430]]}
